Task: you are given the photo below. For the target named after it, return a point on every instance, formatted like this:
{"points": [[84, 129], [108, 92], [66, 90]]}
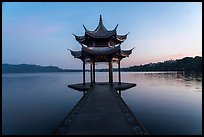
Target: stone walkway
{"points": [[101, 112]]}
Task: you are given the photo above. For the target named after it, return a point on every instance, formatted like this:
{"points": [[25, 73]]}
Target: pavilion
{"points": [[101, 45]]}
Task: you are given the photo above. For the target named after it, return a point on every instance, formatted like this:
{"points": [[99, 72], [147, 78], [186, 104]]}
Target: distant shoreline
{"points": [[187, 64], [107, 71]]}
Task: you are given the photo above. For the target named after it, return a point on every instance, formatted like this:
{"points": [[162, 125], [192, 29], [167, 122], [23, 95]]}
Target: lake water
{"points": [[164, 102]]}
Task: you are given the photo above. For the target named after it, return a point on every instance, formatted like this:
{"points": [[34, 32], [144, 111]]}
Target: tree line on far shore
{"points": [[184, 64]]}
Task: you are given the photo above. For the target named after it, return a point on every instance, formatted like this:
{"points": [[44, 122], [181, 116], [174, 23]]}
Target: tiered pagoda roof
{"points": [[101, 33], [102, 43]]}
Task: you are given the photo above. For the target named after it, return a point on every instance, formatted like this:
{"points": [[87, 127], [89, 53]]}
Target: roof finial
{"points": [[127, 33], [100, 18], [116, 27], [73, 34], [84, 27]]}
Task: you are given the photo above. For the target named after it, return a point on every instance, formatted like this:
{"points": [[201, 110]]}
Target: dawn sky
{"points": [[40, 33]]}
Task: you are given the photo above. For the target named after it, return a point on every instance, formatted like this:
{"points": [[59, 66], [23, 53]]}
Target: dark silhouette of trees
{"points": [[184, 64], [26, 68]]}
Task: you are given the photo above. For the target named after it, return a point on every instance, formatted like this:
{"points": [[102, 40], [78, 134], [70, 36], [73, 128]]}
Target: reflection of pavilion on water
{"points": [[101, 45]]}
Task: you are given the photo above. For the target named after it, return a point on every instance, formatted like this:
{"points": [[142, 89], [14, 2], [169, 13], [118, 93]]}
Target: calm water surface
{"points": [[165, 103]]}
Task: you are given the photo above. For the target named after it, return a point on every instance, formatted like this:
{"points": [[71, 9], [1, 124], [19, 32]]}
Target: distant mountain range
{"points": [[184, 64]]}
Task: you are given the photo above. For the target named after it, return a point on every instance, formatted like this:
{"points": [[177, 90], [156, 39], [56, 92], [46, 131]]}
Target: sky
{"points": [[40, 32]]}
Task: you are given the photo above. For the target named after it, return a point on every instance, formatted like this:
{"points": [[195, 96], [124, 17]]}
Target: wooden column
{"points": [[119, 76], [94, 72], [110, 72], [91, 72], [84, 72]]}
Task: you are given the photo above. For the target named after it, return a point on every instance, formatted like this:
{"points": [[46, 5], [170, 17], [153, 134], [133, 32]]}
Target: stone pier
{"points": [[101, 111]]}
